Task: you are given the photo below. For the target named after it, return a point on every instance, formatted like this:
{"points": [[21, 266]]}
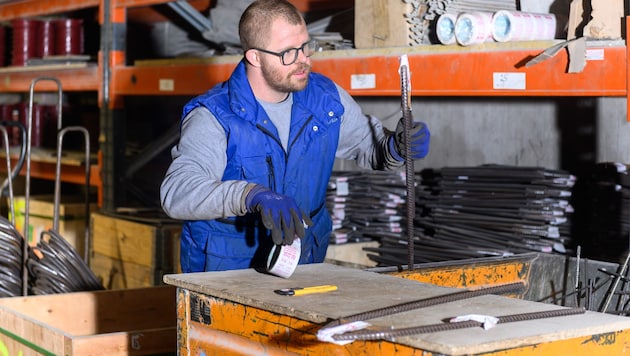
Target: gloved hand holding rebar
{"points": [[419, 137], [280, 214]]}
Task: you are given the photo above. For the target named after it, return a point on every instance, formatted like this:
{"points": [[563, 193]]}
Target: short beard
{"points": [[282, 84]]}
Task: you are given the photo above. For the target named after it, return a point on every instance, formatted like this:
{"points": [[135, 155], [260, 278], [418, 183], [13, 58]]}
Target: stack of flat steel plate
{"points": [[365, 203], [489, 210]]}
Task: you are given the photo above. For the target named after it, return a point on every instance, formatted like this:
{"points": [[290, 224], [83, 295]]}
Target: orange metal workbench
{"points": [[237, 312]]}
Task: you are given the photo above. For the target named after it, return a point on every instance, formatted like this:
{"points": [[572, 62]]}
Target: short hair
{"points": [[255, 23]]}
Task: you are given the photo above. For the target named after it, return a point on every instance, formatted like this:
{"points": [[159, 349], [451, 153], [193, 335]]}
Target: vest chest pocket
{"points": [[257, 169]]}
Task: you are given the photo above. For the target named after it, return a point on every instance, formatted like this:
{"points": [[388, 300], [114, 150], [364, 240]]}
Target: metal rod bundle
{"points": [[490, 210], [362, 203]]}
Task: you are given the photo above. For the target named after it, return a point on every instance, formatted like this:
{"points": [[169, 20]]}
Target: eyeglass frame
{"points": [[281, 54]]}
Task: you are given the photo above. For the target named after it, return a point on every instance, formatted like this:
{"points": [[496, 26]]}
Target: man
{"points": [[256, 152]]}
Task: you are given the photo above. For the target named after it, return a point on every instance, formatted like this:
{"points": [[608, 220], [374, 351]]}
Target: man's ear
{"points": [[253, 57]]}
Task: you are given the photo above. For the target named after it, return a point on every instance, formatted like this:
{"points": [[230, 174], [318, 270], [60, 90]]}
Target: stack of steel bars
{"points": [[489, 210], [365, 203]]}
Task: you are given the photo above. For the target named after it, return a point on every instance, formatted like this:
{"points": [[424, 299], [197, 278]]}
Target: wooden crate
{"points": [[132, 254], [381, 23], [127, 322], [72, 218]]}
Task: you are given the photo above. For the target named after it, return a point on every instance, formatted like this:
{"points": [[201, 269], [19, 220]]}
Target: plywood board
{"points": [[361, 291], [90, 323]]}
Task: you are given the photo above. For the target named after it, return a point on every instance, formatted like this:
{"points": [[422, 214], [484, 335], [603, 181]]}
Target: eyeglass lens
{"points": [[290, 56]]}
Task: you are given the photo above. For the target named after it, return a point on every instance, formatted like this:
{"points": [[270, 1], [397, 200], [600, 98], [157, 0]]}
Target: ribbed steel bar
{"points": [[424, 329], [427, 302], [405, 89]]}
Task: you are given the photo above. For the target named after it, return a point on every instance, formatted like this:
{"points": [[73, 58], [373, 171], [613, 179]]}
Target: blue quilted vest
{"points": [[255, 154]]}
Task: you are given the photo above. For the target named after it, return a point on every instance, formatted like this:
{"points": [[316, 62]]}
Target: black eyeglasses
{"points": [[289, 56]]}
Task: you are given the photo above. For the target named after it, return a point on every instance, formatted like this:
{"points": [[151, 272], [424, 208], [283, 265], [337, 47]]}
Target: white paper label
{"points": [[343, 188], [363, 81], [167, 84], [596, 54], [508, 81]]}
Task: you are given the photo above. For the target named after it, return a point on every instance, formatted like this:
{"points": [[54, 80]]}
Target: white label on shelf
{"points": [[167, 84], [508, 80], [595, 54], [343, 188], [363, 81]]}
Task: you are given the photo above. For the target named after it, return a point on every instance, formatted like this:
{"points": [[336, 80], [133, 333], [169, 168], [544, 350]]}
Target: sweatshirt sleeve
{"points": [[192, 188], [363, 138]]}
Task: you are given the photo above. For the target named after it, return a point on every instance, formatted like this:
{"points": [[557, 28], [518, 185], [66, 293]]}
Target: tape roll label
{"points": [[283, 259]]}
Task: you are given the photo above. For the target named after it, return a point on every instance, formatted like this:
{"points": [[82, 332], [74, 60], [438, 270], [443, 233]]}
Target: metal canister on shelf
{"points": [[6, 115], [46, 35], [24, 40], [69, 36], [15, 134], [38, 124], [3, 46]]}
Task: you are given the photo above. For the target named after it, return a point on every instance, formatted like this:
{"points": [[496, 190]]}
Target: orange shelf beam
{"points": [[302, 5], [69, 173], [476, 71], [16, 79], [435, 71], [28, 8]]}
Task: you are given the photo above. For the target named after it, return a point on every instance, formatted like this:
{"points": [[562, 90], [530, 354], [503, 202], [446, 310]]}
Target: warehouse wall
{"points": [[472, 131], [558, 133], [614, 131]]}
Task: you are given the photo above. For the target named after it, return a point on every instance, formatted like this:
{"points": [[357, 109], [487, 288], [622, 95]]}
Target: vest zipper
{"points": [[272, 176], [299, 133]]}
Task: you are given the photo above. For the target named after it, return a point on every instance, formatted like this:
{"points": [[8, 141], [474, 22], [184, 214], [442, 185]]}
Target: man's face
{"points": [[280, 77]]}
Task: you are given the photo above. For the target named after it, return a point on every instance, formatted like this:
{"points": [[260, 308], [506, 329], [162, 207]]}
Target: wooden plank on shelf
{"points": [[46, 155], [28, 8], [43, 67]]}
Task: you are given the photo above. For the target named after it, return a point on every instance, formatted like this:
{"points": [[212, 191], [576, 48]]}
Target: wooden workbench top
{"points": [[360, 291]]}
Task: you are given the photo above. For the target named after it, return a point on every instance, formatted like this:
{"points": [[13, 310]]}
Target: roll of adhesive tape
{"points": [[283, 259], [445, 28], [522, 26], [473, 28]]}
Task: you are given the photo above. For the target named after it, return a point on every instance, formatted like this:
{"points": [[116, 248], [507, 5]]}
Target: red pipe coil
{"points": [[46, 35], [24, 40], [69, 36], [3, 47]]}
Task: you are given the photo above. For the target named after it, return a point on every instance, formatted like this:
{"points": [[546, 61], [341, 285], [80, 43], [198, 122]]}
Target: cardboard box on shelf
{"points": [[72, 218]]}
